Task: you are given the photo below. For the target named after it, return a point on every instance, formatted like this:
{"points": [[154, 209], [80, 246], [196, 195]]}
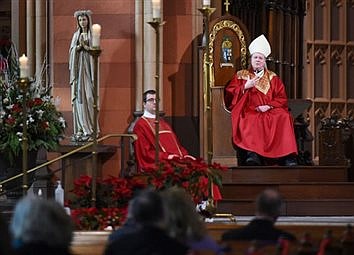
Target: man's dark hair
{"points": [[147, 208], [268, 203], [148, 92]]}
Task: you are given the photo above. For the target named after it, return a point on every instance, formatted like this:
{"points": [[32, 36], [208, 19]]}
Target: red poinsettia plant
{"points": [[112, 197], [114, 193], [195, 176]]}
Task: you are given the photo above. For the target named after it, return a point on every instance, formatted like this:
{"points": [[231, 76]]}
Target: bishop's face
{"points": [[258, 61], [150, 103]]}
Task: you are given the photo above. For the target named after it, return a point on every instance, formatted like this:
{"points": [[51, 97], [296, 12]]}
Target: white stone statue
{"points": [[81, 78]]}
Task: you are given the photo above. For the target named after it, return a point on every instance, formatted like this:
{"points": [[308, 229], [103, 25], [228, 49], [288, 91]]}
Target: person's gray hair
{"points": [[38, 220]]}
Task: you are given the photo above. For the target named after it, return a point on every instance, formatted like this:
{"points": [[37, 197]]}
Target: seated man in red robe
{"points": [[169, 145], [261, 122], [144, 128]]}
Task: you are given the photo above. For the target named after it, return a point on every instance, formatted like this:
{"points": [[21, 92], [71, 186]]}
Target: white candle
{"points": [[96, 34], [156, 9], [206, 3], [23, 66]]}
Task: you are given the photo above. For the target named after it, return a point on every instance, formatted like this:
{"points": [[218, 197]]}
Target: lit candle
{"points": [[206, 3], [23, 66], [156, 8], [96, 34]]}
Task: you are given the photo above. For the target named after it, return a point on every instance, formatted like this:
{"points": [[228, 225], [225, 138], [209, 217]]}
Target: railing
{"points": [[83, 147]]}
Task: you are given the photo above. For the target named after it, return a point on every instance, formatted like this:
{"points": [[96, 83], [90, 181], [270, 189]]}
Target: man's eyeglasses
{"points": [[151, 100]]}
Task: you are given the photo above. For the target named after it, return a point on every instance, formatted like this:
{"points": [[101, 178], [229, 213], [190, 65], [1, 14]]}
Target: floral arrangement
{"points": [[193, 175], [114, 193], [112, 197], [45, 125]]}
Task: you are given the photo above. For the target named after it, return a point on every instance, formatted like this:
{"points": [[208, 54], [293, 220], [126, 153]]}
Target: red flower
{"points": [[35, 102], [10, 121], [16, 108], [114, 193]]}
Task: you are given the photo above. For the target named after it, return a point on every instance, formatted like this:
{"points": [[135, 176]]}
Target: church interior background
{"points": [[312, 42]]}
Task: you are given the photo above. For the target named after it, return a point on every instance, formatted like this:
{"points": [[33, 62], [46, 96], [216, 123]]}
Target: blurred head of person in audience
{"points": [[41, 226]]}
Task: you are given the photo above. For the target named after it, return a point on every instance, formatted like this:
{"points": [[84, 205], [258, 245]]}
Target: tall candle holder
{"points": [[156, 23], [95, 52], [207, 11], [24, 84]]}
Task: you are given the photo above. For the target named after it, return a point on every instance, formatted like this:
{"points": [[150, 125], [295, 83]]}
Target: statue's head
{"points": [[81, 15]]}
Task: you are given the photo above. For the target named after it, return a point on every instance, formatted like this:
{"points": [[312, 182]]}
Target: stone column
{"points": [[146, 52], [40, 41], [30, 36]]}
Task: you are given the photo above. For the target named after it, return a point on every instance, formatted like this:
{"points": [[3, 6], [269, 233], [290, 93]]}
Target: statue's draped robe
{"points": [[82, 89]]}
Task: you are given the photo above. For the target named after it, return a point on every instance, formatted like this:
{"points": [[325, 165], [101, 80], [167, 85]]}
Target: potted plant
{"points": [[45, 124], [114, 193]]}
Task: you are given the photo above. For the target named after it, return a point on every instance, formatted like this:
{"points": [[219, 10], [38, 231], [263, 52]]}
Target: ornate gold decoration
{"points": [[227, 55], [216, 28], [227, 4], [207, 82]]}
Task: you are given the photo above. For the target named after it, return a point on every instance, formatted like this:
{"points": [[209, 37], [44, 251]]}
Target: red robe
{"points": [[144, 146], [270, 133]]}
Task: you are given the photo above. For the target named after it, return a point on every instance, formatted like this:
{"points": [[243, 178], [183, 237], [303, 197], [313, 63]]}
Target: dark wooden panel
{"points": [[320, 208], [333, 207], [287, 174], [327, 190], [318, 191], [316, 230], [236, 207]]}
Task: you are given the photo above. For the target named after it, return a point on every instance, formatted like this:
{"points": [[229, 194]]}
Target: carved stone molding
{"points": [[351, 55], [320, 110], [338, 110], [336, 54], [320, 54]]}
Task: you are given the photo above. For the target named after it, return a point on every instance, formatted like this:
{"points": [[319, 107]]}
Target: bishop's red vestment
{"points": [[269, 134]]}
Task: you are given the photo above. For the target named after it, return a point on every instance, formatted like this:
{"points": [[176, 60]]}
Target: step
{"points": [[286, 174], [305, 190], [292, 207]]}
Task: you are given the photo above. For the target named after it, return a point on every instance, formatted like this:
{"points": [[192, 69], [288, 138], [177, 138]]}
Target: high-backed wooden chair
{"points": [[228, 47]]}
